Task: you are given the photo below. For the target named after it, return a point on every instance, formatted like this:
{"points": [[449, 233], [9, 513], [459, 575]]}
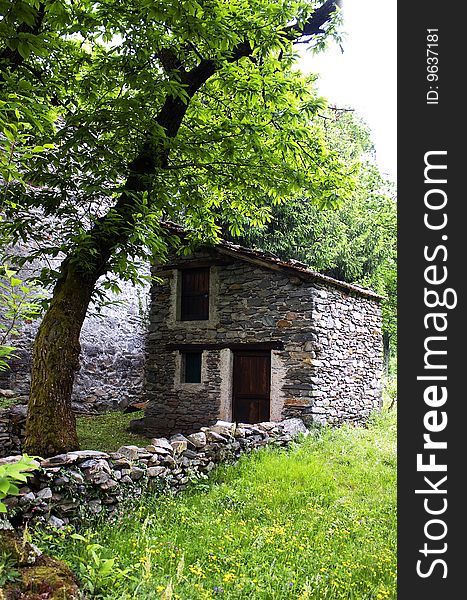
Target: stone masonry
{"points": [[324, 335], [12, 428], [112, 354]]}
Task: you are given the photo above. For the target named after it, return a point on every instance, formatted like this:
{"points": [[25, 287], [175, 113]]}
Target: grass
{"points": [[317, 522], [107, 432]]}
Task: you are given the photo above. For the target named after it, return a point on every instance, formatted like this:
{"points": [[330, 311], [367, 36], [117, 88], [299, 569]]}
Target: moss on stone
{"points": [[40, 576], [49, 576]]}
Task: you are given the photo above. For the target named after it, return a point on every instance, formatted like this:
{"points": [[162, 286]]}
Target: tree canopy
{"points": [[117, 114]]}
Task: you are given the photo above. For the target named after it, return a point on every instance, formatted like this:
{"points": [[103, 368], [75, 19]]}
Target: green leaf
{"points": [[9, 135], [24, 49], [13, 489], [4, 485]]}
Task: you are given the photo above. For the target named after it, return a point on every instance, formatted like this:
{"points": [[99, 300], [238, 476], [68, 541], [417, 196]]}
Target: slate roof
{"points": [[270, 260]]}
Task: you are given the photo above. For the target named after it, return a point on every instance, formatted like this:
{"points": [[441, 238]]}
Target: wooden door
{"points": [[251, 386]]}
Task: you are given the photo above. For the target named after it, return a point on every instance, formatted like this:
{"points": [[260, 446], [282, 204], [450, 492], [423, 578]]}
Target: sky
{"points": [[363, 77]]}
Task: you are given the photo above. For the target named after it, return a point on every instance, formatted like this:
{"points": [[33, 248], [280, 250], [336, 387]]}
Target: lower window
{"points": [[191, 367]]}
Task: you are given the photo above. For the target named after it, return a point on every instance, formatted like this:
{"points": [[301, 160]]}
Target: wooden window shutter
{"points": [[195, 295]]}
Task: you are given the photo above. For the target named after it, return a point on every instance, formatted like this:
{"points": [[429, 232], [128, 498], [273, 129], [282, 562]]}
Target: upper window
{"points": [[195, 295]]}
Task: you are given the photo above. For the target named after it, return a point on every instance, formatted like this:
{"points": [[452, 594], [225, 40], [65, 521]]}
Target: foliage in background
{"points": [[355, 242], [316, 522], [6, 402], [19, 303], [390, 390]]}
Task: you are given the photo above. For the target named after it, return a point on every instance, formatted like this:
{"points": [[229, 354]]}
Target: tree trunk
{"points": [[50, 426]]}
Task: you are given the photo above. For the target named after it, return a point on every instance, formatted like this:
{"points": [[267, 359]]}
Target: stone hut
{"points": [[240, 335]]}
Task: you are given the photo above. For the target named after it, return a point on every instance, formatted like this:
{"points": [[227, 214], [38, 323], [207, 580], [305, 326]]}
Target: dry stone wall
{"points": [[12, 428], [78, 484]]}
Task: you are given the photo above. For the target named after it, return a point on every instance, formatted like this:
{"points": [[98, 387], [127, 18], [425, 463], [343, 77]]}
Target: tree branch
{"points": [[313, 26], [169, 60]]}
